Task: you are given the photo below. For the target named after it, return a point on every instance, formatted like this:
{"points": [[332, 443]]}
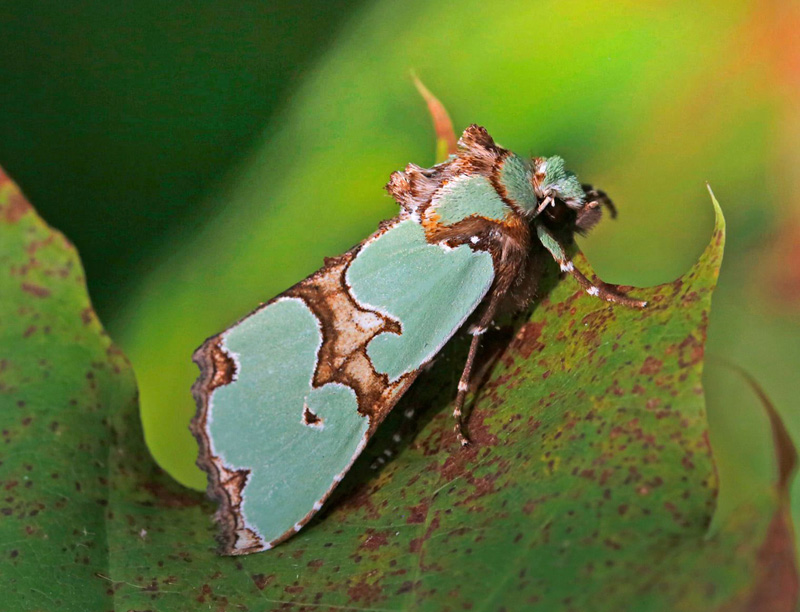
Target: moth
{"points": [[311, 374]]}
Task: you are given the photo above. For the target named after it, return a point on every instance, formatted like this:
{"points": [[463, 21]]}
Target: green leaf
{"points": [[590, 484], [60, 380]]}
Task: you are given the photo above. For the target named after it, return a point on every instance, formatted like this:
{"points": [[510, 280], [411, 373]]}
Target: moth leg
{"points": [[559, 254], [598, 197], [590, 213], [477, 331]]}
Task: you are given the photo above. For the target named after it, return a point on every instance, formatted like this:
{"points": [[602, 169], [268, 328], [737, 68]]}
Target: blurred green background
{"points": [[205, 156]]}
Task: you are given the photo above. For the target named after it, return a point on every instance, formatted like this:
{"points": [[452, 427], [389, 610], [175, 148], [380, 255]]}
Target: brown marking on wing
{"points": [[347, 330], [508, 241], [309, 418], [224, 368], [431, 221], [225, 486], [245, 540], [499, 187]]}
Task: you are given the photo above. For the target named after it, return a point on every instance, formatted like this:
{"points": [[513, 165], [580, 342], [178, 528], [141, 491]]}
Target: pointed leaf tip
{"points": [[445, 136]]}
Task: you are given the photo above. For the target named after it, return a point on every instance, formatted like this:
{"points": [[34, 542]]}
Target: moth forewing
{"points": [[310, 375]]}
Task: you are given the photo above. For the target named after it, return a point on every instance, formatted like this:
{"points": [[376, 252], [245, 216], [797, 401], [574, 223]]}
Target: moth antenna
{"points": [[442, 125]]}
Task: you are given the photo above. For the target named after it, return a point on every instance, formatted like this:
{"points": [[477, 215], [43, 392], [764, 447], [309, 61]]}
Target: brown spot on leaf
{"points": [[365, 593], [406, 587], [87, 315], [374, 541], [690, 352], [776, 588], [35, 290], [527, 340], [651, 366], [16, 205], [172, 497], [417, 514]]}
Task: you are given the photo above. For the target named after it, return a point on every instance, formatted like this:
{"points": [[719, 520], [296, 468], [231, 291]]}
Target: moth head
{"points": [[553, 183], [562, 201]]}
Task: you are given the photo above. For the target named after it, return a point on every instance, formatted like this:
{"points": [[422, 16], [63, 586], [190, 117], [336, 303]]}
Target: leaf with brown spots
{"points": [[590, 484], [60, 379]]}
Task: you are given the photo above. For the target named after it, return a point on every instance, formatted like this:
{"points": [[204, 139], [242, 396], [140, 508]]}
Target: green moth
{"points": [[289, 396]]}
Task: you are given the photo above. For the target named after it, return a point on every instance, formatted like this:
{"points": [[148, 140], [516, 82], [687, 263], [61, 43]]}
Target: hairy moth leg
{"points": [[559, 254], [477, 331], [598, 197]]}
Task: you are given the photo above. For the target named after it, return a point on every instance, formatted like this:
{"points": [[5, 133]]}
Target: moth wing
{"points": [[288, 396]]}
